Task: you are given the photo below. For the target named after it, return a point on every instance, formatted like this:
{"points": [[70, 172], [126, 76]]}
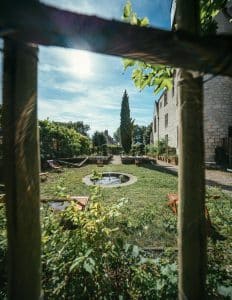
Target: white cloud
{"points": [[74, 63], [89, 113]]}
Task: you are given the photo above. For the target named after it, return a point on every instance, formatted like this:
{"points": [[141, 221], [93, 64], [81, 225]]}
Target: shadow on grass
{"points": [[161, 169], [214, 183], [171, 171]]}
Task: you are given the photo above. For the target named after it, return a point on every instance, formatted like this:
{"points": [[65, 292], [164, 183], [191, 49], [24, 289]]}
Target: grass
{"points": [[151, 221], [146, 210]]}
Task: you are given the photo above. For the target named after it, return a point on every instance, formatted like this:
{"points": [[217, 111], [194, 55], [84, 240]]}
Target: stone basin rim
{"points": [[132, 179]]}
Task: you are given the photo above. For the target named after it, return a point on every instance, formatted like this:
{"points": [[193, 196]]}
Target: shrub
{"points": [[151, 150], [115, 149], [138, 149], [86, 257], [59, 141]]}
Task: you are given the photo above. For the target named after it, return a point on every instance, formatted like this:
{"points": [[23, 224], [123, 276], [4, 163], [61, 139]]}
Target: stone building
{"points": [[217, 108]]}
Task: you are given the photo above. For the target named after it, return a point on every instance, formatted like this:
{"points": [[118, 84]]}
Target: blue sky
{"points": [[83, 86]]}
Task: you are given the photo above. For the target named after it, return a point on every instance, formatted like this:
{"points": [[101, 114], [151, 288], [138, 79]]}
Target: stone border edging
{"points": [[132, 179]]}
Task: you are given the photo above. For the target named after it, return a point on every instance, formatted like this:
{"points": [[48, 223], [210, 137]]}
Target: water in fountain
{"points": [[108, 179]]}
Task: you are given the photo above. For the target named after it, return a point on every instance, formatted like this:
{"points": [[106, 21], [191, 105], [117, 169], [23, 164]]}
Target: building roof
{"points": [[157, 101]]}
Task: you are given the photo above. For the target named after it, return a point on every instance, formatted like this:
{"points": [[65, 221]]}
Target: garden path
{"points": [[116, 160], [214, 178]]}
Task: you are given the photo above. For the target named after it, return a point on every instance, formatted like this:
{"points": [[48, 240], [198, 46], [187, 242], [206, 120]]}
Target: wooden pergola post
{"points": [[21, 169], [191, 222]]}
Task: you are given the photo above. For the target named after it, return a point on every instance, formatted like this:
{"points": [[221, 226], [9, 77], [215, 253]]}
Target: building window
{"points": [[155, 124], [166, 120], [160, 104], [165, 98]]}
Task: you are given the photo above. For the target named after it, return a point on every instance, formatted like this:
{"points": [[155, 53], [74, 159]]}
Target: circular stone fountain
{"points": [[111, 179]]}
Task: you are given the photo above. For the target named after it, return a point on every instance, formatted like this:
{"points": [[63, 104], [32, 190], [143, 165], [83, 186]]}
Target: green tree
{"points": [[78, 126], [138, 133], [59, 141], [117, 135], [147, 134], [99, 142], [126, 124]]}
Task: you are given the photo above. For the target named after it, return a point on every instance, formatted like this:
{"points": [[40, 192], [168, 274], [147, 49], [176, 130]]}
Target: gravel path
{"points": [[116, 160]]}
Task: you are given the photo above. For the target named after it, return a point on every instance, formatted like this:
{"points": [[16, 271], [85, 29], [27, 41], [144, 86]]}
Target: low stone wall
{"points": [[91, 159], [137, 159]]}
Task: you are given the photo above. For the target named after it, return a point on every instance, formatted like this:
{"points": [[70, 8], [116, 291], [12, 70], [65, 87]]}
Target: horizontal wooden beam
{"points": [[41, 24]]}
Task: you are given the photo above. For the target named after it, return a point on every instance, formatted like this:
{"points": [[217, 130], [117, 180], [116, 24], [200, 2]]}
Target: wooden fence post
{"points": [[191, 221], [21, 169]]}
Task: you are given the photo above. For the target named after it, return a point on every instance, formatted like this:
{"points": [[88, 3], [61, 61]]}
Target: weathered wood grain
{"points": [[191, 217], [21, 169], [45, 25]]}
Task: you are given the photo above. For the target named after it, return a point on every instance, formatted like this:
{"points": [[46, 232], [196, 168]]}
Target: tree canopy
{"points": [[98, 139], [78, 126], [59, 141], [138, 133]]}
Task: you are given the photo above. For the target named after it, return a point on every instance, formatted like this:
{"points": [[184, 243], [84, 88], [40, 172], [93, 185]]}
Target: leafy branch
{"points": [[143, 74], [158, 76]]}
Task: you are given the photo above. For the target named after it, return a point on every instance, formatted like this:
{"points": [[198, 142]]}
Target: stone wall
{"points": [[217, 103], [217, 113], [170, 111]]}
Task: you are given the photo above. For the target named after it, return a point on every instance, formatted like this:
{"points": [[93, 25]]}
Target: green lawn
{"points": [[152, 223]]}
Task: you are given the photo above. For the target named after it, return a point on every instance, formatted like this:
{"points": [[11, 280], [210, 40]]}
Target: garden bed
{"points": [[91, 159], [169, 159], [136, 159]]}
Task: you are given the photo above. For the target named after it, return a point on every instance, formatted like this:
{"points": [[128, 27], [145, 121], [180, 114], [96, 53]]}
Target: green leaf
{"points": [[89, 265], [144, 22], [76, 263], [128, 63], [134, 19], [127, 10], [135, 251]]}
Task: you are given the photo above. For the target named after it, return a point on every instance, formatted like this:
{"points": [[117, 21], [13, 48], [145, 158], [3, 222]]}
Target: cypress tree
{"points": [[126, 124]]}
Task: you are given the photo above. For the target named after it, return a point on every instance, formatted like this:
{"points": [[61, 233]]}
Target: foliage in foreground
{"points": [[85, 257], [160, 77]]}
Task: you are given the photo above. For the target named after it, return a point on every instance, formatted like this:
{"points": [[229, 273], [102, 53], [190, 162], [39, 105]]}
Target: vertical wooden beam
{"points": [[21, 164], [191, 222]]}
